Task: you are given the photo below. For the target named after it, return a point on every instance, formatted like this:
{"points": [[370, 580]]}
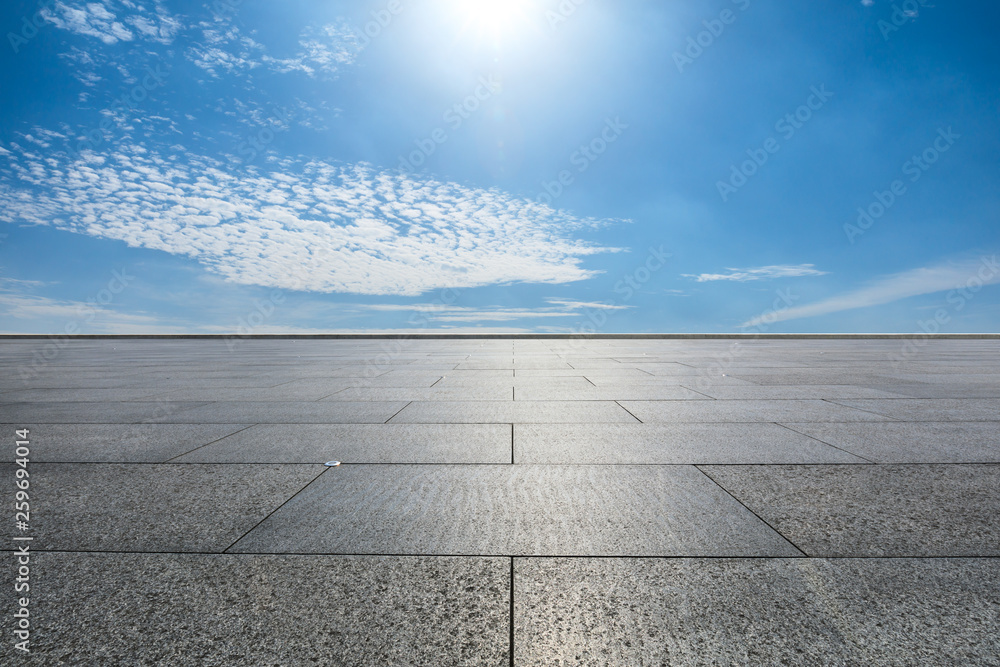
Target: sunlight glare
{"points": [[492, 17]]}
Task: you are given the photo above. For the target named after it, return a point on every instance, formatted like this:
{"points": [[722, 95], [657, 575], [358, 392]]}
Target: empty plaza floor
{"points": [[504, 501]]}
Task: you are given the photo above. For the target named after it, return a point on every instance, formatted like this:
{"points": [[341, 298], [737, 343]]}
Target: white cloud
{"points": [[322, 51], [12, 283], [310, 226], [39, 314], [113, 21], [439, 312], [579, 305], [760, 273], [927, 280]]}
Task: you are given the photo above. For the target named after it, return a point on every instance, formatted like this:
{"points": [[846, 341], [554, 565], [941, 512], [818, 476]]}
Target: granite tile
{"points": [[515, 510], [154, 507], [756, 611], [183, 609], [361, 443], [507, 412], [874, 510], [912, 442], [609, 444], [747, 411]]}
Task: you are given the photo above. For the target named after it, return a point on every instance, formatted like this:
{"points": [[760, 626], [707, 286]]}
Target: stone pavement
{"points": [[499, 501]]}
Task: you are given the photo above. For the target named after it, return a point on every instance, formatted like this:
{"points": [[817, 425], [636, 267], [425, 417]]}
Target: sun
{"points": [[494, 18]]}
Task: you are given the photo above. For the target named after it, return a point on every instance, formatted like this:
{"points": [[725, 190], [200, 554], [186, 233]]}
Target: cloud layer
{"points": [[760, 273], [968, 275], [310, 226]]}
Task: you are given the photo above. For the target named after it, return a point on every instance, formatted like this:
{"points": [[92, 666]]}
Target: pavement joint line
{"points": [[512, 444], [832, 401], [828, 444], [323, 398], [409, 403], [759, 517], [511, 612], [505, 463], [271, 513], [618, 403], [698, 392], [518, 556], [208, 443]]}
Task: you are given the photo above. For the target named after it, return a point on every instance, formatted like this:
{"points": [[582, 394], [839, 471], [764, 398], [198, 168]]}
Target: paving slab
{"points": [[281, 392], [515, 510], [512, 412], [609, 372], [281, 412], [118, 443], [912, 442], [154, 507], [610, 444], [361, 443], [817, 391], [561, 382], [627, 611], [87, 394], [747, 411], [182, 609], [133, 412], [696, 382], [874, 510], [937, 409], [488, 392], [613, 393], [824, 377]]}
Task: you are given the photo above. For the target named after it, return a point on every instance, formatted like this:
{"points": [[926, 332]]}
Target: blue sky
{"points": [[547, 166]]}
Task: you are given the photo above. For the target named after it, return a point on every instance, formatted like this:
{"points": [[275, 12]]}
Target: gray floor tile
{"points": [[183, 609], [497, 510], [797, 392], [570, 382], [746, 411], [756, 612], [279, 393], [278, 412], [154, 507], [615, 393], [950, 390], [936, 409], [669, 444], [615, 372], [874, 510], [696, 382], [436, 393], [330, 385], [814, 376], [133, 412], [84, 394], [361, 443], [517, 412], [119, 443], [913, 442]]}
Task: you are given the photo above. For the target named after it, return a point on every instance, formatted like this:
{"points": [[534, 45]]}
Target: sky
{"points": [[551, 166]]}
